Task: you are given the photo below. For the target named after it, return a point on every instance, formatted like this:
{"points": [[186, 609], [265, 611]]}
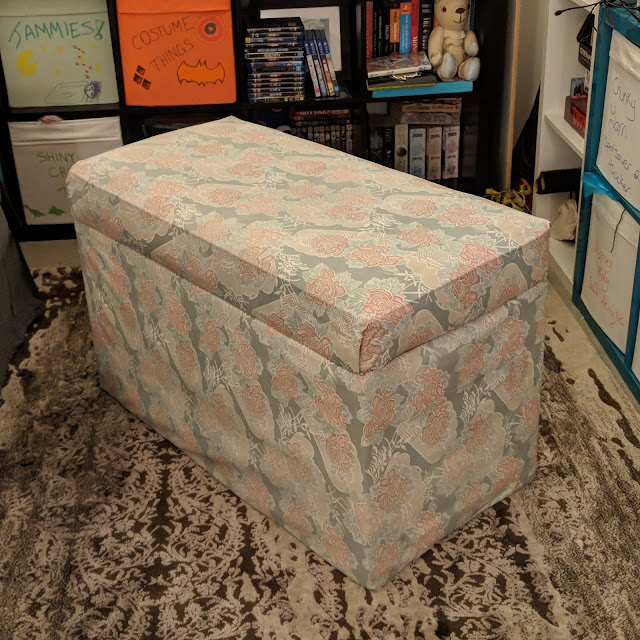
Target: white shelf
{"points": [[564, 253], [557, 122]]}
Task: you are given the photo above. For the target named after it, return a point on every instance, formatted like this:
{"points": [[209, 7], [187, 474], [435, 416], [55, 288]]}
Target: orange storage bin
{"points": [[177, 52]]}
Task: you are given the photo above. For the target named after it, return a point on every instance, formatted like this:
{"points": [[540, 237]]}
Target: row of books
{"points": [[320, 64], [420, 138], [331, 127], [395, 27], [275, 58], [279, 53]]}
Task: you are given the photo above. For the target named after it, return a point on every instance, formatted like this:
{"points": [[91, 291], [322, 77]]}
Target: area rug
{"points": [[108, 531]]}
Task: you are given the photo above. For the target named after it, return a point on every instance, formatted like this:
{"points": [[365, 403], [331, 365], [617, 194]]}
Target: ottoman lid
{"points": [[356, 261]]}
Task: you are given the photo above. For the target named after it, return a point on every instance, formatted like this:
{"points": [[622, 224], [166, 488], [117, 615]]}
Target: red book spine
{"points": [[415, 19], [369, 36]]}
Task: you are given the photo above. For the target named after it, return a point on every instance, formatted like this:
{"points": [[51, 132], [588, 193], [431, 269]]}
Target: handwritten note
{"points": [[45, 152], [619, 152], [609, 267]]}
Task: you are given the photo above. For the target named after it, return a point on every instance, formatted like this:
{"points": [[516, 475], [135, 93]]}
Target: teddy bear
{"points": [[452, 49]]}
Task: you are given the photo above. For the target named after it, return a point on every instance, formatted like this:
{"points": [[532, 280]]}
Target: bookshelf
{"points": [[559, 146], [483, 116]]}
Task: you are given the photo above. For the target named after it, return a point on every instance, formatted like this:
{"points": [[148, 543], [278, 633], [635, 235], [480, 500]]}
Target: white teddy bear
{"points": [[452, 49]]}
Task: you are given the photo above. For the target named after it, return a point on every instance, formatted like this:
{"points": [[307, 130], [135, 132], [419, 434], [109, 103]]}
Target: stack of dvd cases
{"points": [[275, 55]]}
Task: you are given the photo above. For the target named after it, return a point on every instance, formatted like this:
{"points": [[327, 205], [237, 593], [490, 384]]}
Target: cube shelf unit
{"points": [[483, 131], [627, 274], [559, 146]]}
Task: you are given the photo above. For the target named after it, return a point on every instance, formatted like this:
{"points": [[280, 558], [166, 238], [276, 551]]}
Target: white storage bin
{"points": [[45, 151]]}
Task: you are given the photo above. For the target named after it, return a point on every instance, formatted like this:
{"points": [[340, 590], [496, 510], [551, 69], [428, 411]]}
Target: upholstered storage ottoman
{"points": [[354, 352]]}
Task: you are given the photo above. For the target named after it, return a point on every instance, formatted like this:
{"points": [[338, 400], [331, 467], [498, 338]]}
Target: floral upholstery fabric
{"points": [[357, 262], [369, 470]]}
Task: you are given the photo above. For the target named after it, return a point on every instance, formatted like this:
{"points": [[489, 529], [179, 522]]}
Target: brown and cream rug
{"points": [[107, 531]]}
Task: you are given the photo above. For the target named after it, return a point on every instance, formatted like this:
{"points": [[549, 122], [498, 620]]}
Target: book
{"points": [[317, 123], [321, 113], [291, 65], [439, 105], [415, 31], [274, 91], [267, 48], [274, 51], [267, 100], [430, 119], [374, 37], [275, 24], [327, 54], [323, 62], [398, 65], [274, 55], [268, 39], [425, 23], [317, 62], [271, 80], [394, 29], [379, 10], [451, 151], [434, 153], [269, 74], [417, 152], [386, 27], [312, 67], [388, 147], [398, 82], [275, 86], [405, 27], [369, 28], [401, 155]]}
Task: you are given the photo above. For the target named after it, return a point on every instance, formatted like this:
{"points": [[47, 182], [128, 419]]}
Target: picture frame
{"points": [[316, 15]]}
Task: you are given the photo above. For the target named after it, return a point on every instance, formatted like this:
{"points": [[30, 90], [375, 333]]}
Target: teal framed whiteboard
{"points": [[607, 274]]}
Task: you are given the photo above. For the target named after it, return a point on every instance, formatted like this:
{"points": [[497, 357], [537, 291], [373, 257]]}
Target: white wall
{"points": [[530, 57]]}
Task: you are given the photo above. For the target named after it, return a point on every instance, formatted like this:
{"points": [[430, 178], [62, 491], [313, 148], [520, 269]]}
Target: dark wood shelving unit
{"points": [[478, 106]]}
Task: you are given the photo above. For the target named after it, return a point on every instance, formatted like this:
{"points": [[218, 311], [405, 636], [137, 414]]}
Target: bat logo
{"points": [[200, 73]]}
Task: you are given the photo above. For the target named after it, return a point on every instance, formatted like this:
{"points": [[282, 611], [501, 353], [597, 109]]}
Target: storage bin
{"points": [[609, 267], [57, 53], [369, 387], [45, 151], [177, 52]]}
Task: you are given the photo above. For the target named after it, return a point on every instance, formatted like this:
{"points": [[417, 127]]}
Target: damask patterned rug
{"points": [[107, 531]]}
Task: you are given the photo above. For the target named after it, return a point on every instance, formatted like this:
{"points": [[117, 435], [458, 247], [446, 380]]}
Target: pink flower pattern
{"points": [[324, 290], [339, 451], [382, 414], [329, 405], [374, 256], [385, 306], [296, 372]]}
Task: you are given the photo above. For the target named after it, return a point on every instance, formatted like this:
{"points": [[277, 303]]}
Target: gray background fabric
{"points": [[19, 301]]}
